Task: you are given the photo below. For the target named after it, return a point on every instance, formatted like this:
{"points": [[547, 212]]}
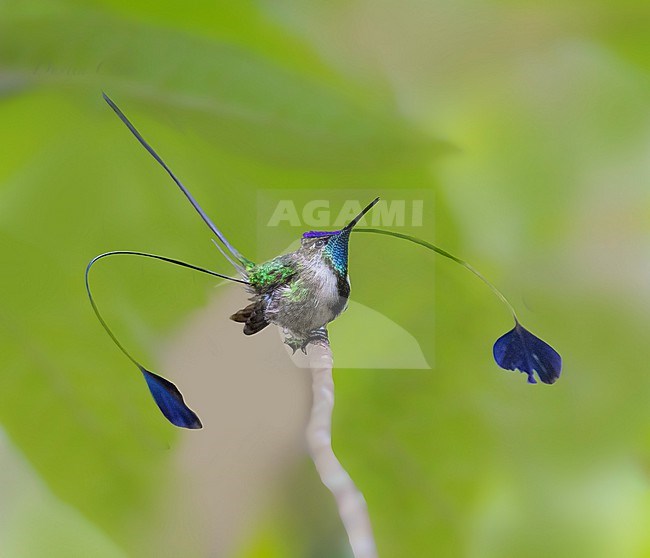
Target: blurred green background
{"points": [[527, 123]]}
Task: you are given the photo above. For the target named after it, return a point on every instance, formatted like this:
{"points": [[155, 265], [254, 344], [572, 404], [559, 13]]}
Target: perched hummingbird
{"points": [[302, 291]]}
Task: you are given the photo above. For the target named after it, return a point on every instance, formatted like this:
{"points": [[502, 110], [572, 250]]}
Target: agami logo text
{"points": [[318, 214]]}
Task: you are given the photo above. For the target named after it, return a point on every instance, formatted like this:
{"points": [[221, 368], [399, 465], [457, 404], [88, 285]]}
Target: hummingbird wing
{"points": [[253, 316], [263, 280]]}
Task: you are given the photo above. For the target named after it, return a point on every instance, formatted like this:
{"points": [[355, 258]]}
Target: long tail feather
{"points": [[446, 254], [517, 349], [165, 393], [243, 261]]}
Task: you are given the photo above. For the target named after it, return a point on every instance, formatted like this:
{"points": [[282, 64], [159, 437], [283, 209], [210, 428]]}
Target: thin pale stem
{"points": [[349, 500]]}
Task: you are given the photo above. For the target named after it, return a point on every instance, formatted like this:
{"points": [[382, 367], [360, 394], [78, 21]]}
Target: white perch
{"points": [[351, 503]]}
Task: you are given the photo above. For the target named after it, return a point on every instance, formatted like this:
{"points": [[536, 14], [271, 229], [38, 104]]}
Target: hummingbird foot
{"points": [[295, 343], [316, 337]]}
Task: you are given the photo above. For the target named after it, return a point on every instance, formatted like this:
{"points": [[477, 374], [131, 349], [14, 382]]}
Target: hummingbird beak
{"points": [[354, 221], [345, 231]]}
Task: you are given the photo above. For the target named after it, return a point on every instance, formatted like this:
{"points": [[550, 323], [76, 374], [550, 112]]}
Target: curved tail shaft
{"points": [[448, 255], [233, 251], [166, 395]]}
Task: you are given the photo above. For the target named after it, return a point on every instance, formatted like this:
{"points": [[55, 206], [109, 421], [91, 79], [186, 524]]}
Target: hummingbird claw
{"points": [[315, 337], [294, 343], [318, 337]]}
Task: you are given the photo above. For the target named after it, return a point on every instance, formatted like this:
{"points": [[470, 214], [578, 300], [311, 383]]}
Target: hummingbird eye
{"points": [[320, 243]]}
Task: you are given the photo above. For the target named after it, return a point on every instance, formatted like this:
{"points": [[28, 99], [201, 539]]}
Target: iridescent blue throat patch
{"points": [[337, 251]]}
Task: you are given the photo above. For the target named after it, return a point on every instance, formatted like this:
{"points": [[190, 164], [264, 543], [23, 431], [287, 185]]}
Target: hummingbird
{"points": [[302, 292]]}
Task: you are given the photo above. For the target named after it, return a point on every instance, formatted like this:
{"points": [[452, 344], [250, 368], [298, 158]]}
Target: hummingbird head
{"points": [[332, 246]]}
